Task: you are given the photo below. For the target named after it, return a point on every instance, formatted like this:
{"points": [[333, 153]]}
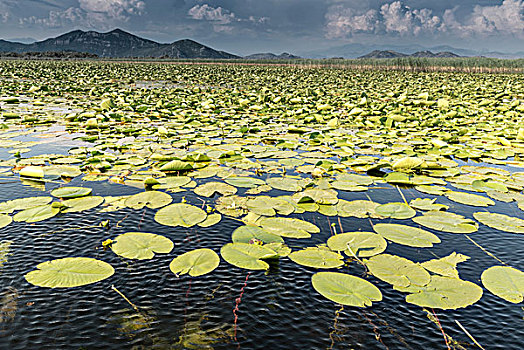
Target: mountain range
{"points": [[395, 54], [116, 43]]}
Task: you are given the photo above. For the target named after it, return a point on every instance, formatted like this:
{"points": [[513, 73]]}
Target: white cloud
{"points": [[206, 12], [397, 19], [116, 9], [507, 18], [343, 21]]}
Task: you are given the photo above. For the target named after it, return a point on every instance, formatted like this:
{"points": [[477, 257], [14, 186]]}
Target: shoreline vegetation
{"points": [[411, 64]]}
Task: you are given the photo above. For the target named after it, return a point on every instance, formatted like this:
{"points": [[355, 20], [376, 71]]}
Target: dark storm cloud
{"points": [[253, 25]]}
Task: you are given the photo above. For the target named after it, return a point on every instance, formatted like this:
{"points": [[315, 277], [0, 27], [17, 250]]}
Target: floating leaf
{"points": [[248, 233], [180, 214], [150, 199], [447, 222], [211, 220], [232, 205], [141, 245], [210, 188], [320, 258], [316, 195], [171, 182], [500, 221], [505, 282], [247, 256], [487, 186], [71, 192], [176, 165], [358, 208], [426, 204], [80, 204], [285, 184], [406, 235], [434, 190], [289, 227], [348, 186], [397, 271], [395, 210], [23, 203], [4, 251], [5, 220], [32, 171], [40, 213], [446, 266], [443, 293], [197, 262], [345, 289], [69, 272], [281, 249], [469, 199], [362, 244], [407, 163], [243, 181]]}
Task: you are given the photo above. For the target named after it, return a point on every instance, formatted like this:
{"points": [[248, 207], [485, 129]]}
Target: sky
{"points": [[296, 26]]}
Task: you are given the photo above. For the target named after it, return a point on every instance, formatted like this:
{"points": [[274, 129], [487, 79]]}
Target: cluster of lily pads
{"points": [[264, 144]]}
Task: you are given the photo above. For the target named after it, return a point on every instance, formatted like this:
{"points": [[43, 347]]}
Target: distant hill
{"points": [[116, 43], [271, 56], [395, 54]]}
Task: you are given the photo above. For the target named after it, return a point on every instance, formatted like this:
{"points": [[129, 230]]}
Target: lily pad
{"points": [[289, 227], [469, 199], [247, 256], [40, 213], [212, 219], [180, 214], [248, 233], [361, 244], [210, 188], [406, 235], [285, 184], [69, 272], [447, 222], [426, 204], [141, 245], [345, 289], [320, 258], [71, 192], [244, 181], [5, 220], [196, 263], [150, 199], [505, 282], [446, 266], [358, 208], [500, 221], [397, 271], [395, 210], [23, 203], [75, 205], [443, 293]]}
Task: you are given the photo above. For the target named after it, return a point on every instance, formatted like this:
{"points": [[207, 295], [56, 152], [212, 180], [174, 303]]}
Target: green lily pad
{"points": [[446, 266], [244, 181], [180, 214], [320, 258], [395, 210], [397, 271], [469, 199], [443, 293], [150, 199], [361, 244], [171, 182], [406, 235], [176, 165], [447, 222], [69, 272], [32, 171], [426, 204], [5, 220], [23, 203], [434, 190], [345, 289], [316, 195], [349, 186], [500, 222], [212, 219], [210, 188], [247, 256], [75, 205], [285, 184], [40, 213], [248, 233], [487, 186], [357, 208], [505, 282], [288, 227], [197, 262], [141, 245], [71, 192], [407, 163]]}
